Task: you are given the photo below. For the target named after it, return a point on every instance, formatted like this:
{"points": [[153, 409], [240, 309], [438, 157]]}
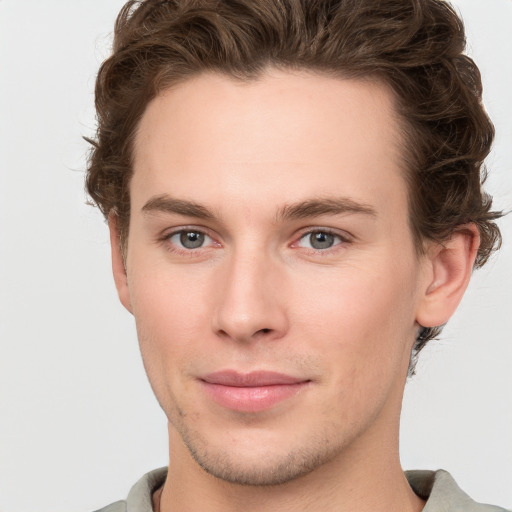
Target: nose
{"points": [[251, 297]]}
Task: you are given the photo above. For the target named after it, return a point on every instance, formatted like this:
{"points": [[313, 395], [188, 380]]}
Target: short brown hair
{"points": [[414, 46]]}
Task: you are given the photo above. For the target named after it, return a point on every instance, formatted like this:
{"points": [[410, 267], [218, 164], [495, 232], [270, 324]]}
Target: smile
{"points": [[251, 392]]}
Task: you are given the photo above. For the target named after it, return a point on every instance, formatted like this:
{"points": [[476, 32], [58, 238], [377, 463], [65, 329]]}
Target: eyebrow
{"points": [[324, 206], [167, 204], [295, 211]]}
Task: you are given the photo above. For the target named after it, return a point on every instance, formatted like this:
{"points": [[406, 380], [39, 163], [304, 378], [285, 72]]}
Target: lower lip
{"points": [[253, 398]]}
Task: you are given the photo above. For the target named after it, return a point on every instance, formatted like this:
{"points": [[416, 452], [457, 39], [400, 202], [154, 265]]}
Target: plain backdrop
{"points": [[78, 421]]}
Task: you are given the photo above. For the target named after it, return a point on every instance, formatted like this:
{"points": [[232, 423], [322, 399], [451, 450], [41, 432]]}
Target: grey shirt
{"points": [[437, 487]]}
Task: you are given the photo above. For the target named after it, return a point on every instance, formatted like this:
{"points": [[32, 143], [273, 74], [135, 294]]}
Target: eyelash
{"points": [[342, 239], [174, 248]]}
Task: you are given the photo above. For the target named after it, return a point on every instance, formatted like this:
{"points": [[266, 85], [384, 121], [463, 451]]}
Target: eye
{"points": [[189, 239], [319, 240]]}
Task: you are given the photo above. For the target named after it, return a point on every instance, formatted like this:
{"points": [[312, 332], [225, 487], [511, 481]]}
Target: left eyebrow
{"points": [[323, 206]]}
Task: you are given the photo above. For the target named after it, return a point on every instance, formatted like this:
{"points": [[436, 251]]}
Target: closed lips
{"points": [[252, 379], [251, 392]]}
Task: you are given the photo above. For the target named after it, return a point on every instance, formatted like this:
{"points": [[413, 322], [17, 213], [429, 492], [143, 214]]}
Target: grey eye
{"points": [[319, 240], [189, 239]]}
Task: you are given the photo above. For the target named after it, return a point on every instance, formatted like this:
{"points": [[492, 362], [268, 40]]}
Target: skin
{"points": [[242, 163]]}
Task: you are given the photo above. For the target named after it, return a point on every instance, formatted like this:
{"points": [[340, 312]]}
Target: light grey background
{"points": [[78, 422]]}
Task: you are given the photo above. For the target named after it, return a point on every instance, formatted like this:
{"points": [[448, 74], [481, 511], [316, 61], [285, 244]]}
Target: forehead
{"points": [[302, 133]]}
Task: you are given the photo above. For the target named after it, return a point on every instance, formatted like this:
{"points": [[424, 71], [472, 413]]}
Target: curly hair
{"points": [[414, 46]]}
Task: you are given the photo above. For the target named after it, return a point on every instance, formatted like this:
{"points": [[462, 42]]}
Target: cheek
{"points": [[168, 303], [363, 320], [169, 312], [363, 333]]}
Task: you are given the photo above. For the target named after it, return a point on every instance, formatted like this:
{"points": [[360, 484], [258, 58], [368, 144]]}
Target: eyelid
{"points": [[167, 234], [344, 236]]}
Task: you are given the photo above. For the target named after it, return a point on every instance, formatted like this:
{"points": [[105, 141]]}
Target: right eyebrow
{"points": [[167, 204]]}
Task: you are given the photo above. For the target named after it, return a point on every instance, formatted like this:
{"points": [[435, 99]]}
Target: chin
{"points": [[261, 461], [276, 470]]}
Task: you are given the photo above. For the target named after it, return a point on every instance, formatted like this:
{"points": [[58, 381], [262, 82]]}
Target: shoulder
{"points": [[118, 506], [139, 497], [443, 494]]}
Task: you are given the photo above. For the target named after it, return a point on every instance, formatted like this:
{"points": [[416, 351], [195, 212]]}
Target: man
{"points": [[293, 192]]}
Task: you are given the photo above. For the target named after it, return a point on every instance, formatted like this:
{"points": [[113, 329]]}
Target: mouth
{"points": [[251, 392]]}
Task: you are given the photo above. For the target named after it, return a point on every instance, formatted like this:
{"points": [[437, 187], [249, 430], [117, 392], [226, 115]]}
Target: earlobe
{"points": [[118, 263], [450, 267]]}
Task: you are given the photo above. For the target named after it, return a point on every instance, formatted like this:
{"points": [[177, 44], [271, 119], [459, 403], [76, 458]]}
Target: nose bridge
{"points": [[250, 303]]}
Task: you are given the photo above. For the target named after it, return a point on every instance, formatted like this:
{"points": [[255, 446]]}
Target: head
{"points": [[415, 48], [390, 78]]}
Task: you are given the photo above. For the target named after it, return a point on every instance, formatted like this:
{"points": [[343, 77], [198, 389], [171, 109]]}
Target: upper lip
{"points": [[251, 379]]}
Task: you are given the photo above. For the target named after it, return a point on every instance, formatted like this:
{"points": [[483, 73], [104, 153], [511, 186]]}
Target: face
{"points": [[271, 270]]}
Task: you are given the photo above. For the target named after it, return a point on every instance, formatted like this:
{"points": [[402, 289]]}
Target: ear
{"points": [[118, 262], [449, 269]]}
